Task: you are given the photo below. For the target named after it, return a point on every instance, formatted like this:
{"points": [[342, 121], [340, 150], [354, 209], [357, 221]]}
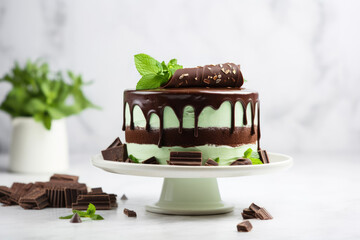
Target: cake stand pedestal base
{"points": [[190, 196]]}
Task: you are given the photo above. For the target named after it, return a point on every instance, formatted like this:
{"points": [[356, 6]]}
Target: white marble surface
{"points": [[302, 56], [317, 199]]}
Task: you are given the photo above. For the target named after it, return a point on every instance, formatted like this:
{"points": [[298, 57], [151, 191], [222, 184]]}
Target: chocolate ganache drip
{"points": [[213, 76], [154, 101]]}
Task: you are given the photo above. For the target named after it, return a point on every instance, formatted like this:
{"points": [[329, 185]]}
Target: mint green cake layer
{"points": [[208, 117], [226, 154]]}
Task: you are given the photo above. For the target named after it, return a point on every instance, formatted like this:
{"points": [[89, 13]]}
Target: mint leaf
{"points": [[134, 159], [154, 74], [66, 217], [255, 161], [247, 153], [91, 209], [90, 213], [255, 154], [151, 81], [146, 64], [217, 159], [96, 217]]}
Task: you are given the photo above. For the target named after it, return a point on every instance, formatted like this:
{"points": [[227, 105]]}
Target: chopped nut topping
{"points": [[215, 77], [221, 65], [207, 81], [183, 75], [219, 76], [234, 71], [223, 70], [227, 71], [218, 80], [196, 78]]}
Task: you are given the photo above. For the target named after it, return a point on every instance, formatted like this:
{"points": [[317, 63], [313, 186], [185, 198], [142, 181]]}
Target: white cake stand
{"points": [[192, 190]]}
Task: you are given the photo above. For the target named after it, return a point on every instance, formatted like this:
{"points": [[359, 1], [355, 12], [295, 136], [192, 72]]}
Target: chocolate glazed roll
{"points": [[213, 76]]}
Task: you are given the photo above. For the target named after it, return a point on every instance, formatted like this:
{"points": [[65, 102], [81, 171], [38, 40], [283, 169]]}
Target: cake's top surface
{"points": [[180, 91]]}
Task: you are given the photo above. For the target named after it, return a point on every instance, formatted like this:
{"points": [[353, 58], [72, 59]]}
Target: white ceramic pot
{"points": [[34, 149]]}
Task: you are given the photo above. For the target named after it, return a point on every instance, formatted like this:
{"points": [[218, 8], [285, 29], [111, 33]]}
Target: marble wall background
{"points": [[302, 56]]}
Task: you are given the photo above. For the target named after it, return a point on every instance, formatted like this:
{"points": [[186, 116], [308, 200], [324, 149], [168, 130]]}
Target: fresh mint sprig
{"points": [[154, 74], [134, 159], [90, 213], [253, 156]]}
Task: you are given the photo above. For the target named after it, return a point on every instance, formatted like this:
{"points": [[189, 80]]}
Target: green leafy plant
{"points": [[253, 156], [90, 213], [44, 95], [154, 74]]}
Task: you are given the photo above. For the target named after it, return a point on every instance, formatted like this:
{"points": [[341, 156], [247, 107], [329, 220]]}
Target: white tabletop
{"points": [[318, 198]]}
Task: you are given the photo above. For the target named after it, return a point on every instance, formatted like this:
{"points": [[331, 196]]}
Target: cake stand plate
{"points": [[192, 190]]}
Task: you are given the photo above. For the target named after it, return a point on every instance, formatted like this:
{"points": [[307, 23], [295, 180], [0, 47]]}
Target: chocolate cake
{"points": [[203, 109]]}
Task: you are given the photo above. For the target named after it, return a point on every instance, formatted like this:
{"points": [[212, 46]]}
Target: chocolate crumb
{"points": [[129, 213]]}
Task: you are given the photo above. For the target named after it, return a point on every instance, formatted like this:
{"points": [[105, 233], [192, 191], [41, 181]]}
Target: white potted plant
{"points": [[38, 102]]}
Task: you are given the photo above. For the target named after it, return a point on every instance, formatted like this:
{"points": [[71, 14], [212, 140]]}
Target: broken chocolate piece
{"points": [[241, 161], [75, 218], [101, 202], [263, 214], [36, 199], [253, 207], [247, 216], [96, 190], [123, 197], [115, 152], [213, 76], [117, 142], [18, 190], [64, 178], [185, 158], [211, 162], [129, 213], [151, 160], [264, 156], [244, 226]]}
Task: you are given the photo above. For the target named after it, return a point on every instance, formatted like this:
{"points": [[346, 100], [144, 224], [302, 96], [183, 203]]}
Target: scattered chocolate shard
{"points": [[264, 156], [263, 214], [75, 218], [244, 226], [211, 162], [115, 152], [185, 158], [129, 213], [5, 191], [151, 160], [123, 197], [64, 178], [241, 161], [248, 211], [36, 199], [19, 190]]}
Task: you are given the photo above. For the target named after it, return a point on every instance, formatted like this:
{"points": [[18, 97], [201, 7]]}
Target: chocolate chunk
{"points": [[248, 211], [115, 152], [185, 158], [247, 216], [129, 213], [64, 178], [117, 142], [113, 202], [244, 226], [151, 160], [36, 199], [101, 202], [263, 214], [264, 156], [123, 197], [5, 191], [18, 190], [96, 190], [253, 207], [241, 161], [75, 218], [211, 162], [213, 76]]}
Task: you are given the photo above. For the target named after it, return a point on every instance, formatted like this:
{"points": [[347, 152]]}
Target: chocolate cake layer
{"points": [[172, 137], [154, 101]]}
